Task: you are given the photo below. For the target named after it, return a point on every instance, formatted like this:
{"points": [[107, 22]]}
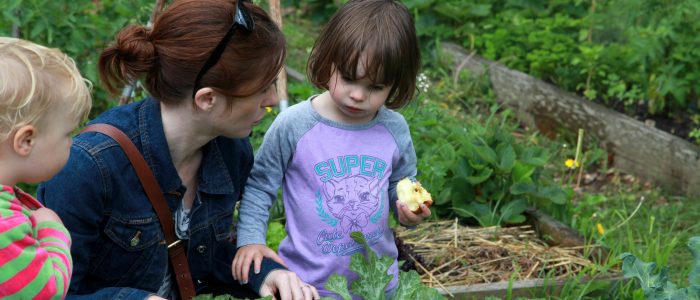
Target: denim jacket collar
{"points": [[214, 177]]}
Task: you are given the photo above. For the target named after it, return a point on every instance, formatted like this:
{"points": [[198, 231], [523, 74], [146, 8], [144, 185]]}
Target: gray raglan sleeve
{"points": [[405, 165], [267, 175], [265, 180]]}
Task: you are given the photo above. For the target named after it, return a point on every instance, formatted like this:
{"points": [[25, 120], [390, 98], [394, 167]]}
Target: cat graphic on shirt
{"points": [[352, 200]]}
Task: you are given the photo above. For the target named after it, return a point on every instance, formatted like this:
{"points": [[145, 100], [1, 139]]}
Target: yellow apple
{"points": [[413, 195]]}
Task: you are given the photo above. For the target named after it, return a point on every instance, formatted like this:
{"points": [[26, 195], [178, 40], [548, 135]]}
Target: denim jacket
{"points": [[119, 249]]}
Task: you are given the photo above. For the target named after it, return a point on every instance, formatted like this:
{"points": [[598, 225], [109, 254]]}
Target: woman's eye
{"points": [[267, 89]]}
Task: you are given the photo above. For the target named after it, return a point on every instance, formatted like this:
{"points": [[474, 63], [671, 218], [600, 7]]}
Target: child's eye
{"points": [[347, 79], [376, 87]]}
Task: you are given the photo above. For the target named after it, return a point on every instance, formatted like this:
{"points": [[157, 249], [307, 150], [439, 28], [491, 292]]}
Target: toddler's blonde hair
{"points": [[34, 80]]}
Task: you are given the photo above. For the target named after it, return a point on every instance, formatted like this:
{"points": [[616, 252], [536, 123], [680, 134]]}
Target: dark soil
{"points": [[678, 123]]}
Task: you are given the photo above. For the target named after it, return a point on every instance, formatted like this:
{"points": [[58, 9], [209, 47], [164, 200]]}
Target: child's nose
{"points": [[357, 94]]}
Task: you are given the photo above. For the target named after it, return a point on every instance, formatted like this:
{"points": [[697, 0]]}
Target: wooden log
{"points": [[638, 149], [523, 288]]}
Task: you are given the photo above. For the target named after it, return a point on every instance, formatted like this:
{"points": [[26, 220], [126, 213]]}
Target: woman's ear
{"points": [[24, 139], [205, 98]]}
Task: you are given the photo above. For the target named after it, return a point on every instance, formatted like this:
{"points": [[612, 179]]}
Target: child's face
{"points": [[51, 144], [356, 101]]}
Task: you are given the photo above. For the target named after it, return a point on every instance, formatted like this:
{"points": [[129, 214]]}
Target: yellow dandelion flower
{"points": [[571, 164], [268, 109], [600, 228]]}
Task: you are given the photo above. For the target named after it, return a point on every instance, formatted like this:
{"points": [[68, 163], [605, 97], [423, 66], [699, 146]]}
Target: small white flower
{"points": [[423, 82]]}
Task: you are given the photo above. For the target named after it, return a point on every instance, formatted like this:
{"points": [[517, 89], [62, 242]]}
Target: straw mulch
{"points": [[450, 254]]}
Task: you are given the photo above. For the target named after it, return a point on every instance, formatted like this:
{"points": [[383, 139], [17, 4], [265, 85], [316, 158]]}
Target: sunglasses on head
{"points": [[241, 19]]}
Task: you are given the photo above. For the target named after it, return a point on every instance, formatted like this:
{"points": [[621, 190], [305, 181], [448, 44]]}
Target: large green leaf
{"points": [[512, 212], [486, 154], [644, 272], [521, 172], [552, 193], [463, 169], [373, 278], [339, 285], [535, 156], [657, 286], [410, 287], [481, 177], [506, 157], [523, 188]]}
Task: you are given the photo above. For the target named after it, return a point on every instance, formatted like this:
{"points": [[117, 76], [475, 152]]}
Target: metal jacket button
{"points": [[201, 248], [135, 240]]}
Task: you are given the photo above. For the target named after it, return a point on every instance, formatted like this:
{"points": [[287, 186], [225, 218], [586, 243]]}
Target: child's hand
{"points": [[251, 253], [408, 218], [45, 214]]}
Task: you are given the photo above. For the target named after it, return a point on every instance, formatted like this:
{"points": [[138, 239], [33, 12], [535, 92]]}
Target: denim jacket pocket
{"points": [[132, 252], [223, 230]]}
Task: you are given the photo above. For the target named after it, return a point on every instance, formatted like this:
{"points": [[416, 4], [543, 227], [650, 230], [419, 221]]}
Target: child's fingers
{"points": [[273, 255], [235, 266], [407, 217], [425, 211], [257, 263], [245, 269], [241, 265]]}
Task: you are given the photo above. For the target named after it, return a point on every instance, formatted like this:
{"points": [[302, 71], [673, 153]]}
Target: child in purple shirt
{"points": [[340, 154]]}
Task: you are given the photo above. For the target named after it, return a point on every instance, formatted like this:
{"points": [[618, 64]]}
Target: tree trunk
{"points": [[638, 149]]}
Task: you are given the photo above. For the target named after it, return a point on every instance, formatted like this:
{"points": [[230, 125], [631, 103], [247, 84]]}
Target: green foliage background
{"points": [[80, 28]]}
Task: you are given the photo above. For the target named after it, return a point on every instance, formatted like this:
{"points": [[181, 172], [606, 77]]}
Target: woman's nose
{"points": [[271, 97]]}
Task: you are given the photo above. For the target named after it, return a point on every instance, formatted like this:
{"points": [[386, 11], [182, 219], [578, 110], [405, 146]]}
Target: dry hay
{"points": [[451, 254]]}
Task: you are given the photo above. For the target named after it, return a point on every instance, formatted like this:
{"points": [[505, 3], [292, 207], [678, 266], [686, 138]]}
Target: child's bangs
{"points": [[381, 67]]}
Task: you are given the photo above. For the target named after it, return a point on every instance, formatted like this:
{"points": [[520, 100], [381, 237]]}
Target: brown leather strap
{"points": [[176, 251]]}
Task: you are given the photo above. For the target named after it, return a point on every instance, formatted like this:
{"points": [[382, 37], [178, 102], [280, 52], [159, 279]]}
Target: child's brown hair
{"points": [[35, 79], [378, 33]]}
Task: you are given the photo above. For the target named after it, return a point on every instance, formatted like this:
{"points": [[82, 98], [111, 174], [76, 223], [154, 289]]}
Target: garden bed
{"points": [[474, 262]]}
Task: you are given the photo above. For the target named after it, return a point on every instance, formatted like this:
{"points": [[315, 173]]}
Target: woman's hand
{"points": [[288, 286], [154, 297], [45, 214], [408, 218], [251, 253]]}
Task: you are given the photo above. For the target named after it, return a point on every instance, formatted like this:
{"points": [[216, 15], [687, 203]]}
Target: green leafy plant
{"points": [[373, 278], [657, 286], [275, 234], [80, 28], [478, 169]]}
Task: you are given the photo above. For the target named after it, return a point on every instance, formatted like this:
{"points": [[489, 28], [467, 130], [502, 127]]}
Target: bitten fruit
{"points": [[413, 195]]}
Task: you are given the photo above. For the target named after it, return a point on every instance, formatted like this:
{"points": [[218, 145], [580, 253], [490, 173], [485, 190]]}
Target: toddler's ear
{"points": [[24, 139]]}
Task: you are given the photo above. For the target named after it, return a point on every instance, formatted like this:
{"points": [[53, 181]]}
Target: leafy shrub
{"points": [[373, 278], [80, 28], [657, 286], [478, 169]]}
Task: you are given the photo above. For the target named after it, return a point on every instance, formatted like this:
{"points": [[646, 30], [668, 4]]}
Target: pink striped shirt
{"points": [[35, 261]]}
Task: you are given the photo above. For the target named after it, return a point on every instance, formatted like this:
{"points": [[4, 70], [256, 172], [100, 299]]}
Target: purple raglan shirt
{"points": [[336, 178]]}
